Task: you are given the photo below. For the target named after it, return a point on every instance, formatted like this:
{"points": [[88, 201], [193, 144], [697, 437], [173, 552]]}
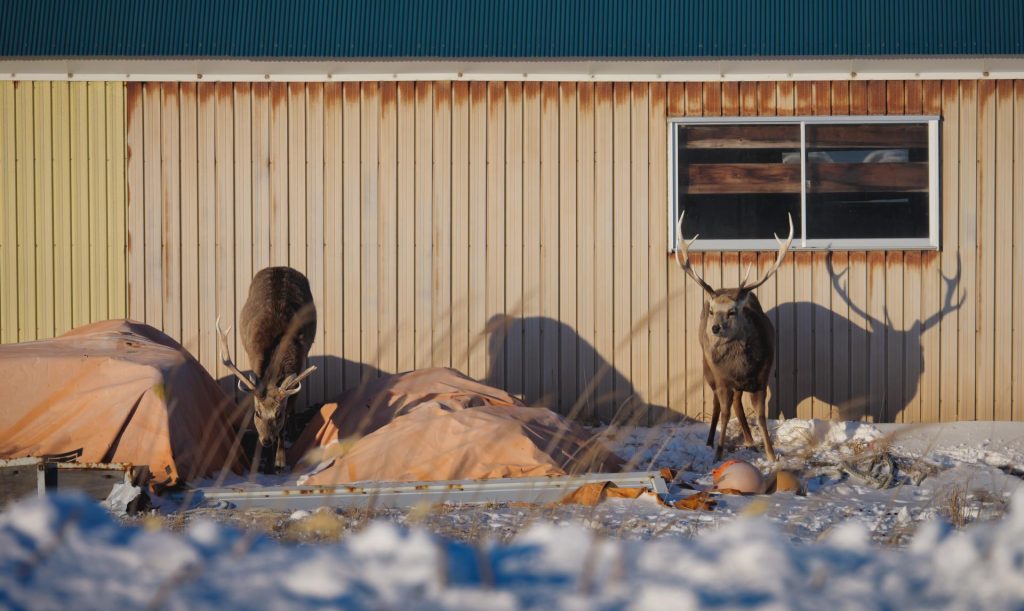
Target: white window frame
{"points": [[929, 243]]}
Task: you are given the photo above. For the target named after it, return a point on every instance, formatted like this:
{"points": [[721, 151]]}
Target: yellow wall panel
{"points": [[62, 207]]}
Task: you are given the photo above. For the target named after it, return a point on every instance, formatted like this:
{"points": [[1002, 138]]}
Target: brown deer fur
{"points": [[277, 328], [738, 342]]}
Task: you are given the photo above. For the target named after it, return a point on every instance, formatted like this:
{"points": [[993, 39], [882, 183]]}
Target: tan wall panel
{"points": [[518, 231]]}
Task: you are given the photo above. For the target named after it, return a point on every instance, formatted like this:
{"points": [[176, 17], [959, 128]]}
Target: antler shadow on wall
{"points": [[869, 367]]}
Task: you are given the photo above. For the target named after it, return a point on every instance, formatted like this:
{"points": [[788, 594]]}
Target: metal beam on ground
{"points": [[409, 494]]}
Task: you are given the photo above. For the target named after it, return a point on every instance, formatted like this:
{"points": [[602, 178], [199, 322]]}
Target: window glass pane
{"points": [[867, 180], [740, 217], [867, 215], [739, 181]]}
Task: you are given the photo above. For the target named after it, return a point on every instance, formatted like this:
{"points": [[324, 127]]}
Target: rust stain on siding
{"points": [[858, 98], [603, 93], [913, 94], [730, 261], [442, 96], [460, 93], [621, 92], [224, 91], [657, 93], [822, 97], [314, 94], [694, 99], [477, 93], [407, 92], [496, 101], [351, 93], [876, 97], [584, 98], [278, 95], [549, 96], [712, 98], [894, 97], [840, 97], [986, 90], [748, 98], [567, 93], [133, 99], [931, 98], [802, 260], [388, 96], [804, 97], [784, 98], [531, 91], [332, 97], [205, 92], [912, 261], [930, 259], [424, 91], [766, 98], [676, 94]]}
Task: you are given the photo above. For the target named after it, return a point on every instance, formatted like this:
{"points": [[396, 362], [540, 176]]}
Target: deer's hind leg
{"points": [[737, 404]]}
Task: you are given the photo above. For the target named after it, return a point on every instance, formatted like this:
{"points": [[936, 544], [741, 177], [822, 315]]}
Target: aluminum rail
{"points": [[409, 494]]}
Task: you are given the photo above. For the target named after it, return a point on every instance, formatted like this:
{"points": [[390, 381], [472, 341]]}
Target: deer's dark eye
{"points": [[732, 312]]}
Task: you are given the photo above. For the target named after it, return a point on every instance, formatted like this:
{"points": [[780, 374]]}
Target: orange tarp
{"points": [[116, 391], [438, 424]]}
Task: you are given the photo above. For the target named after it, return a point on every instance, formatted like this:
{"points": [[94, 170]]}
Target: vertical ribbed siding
{"points": [[540, 207], [510, 28]]}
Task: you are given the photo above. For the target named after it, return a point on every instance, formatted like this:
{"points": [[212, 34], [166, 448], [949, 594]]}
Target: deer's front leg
{"points": [[280, 462], [737, 404], [762, 420], [714, 421], [725, 399]]}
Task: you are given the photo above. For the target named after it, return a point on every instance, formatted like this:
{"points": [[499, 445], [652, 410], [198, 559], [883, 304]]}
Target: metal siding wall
{"points": [[537, 183], [62, 198]]}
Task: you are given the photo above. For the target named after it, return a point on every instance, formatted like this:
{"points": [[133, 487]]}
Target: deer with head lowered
{"points": [[738, 342], [277, 327]]}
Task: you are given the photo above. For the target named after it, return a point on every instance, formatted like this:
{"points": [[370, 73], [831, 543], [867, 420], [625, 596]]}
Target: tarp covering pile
{"points": [[438, 424], [116, 391]]}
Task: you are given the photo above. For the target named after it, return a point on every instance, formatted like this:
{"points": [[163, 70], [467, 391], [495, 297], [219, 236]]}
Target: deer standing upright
{"points": [[277, 326], [738, 342]]}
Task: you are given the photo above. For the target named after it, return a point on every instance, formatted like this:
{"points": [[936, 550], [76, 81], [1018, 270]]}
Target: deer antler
{"points": [[684, 263], [225, 356], [783, 249], [296, 381]]}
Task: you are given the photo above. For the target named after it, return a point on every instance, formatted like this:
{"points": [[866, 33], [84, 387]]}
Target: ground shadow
{"points": [[873, 386]]}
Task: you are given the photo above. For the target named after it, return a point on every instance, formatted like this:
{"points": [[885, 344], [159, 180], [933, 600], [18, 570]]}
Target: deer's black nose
{"points": [[267, 442], [716, 328]]}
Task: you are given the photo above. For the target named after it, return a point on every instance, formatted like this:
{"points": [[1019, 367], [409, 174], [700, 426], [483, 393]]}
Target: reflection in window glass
{"points": [[847, 182], [739, 181], [867, 181]]}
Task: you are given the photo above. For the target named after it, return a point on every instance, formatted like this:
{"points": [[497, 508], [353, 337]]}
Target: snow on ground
{"points": [[67, 550], [848, 544]]}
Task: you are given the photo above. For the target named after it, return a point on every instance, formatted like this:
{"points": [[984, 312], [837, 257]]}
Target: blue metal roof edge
{"points": [[510, 29]]}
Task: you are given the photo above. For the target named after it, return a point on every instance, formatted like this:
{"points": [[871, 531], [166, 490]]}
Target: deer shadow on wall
{"points": [[868, 379], [598, 392]]}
